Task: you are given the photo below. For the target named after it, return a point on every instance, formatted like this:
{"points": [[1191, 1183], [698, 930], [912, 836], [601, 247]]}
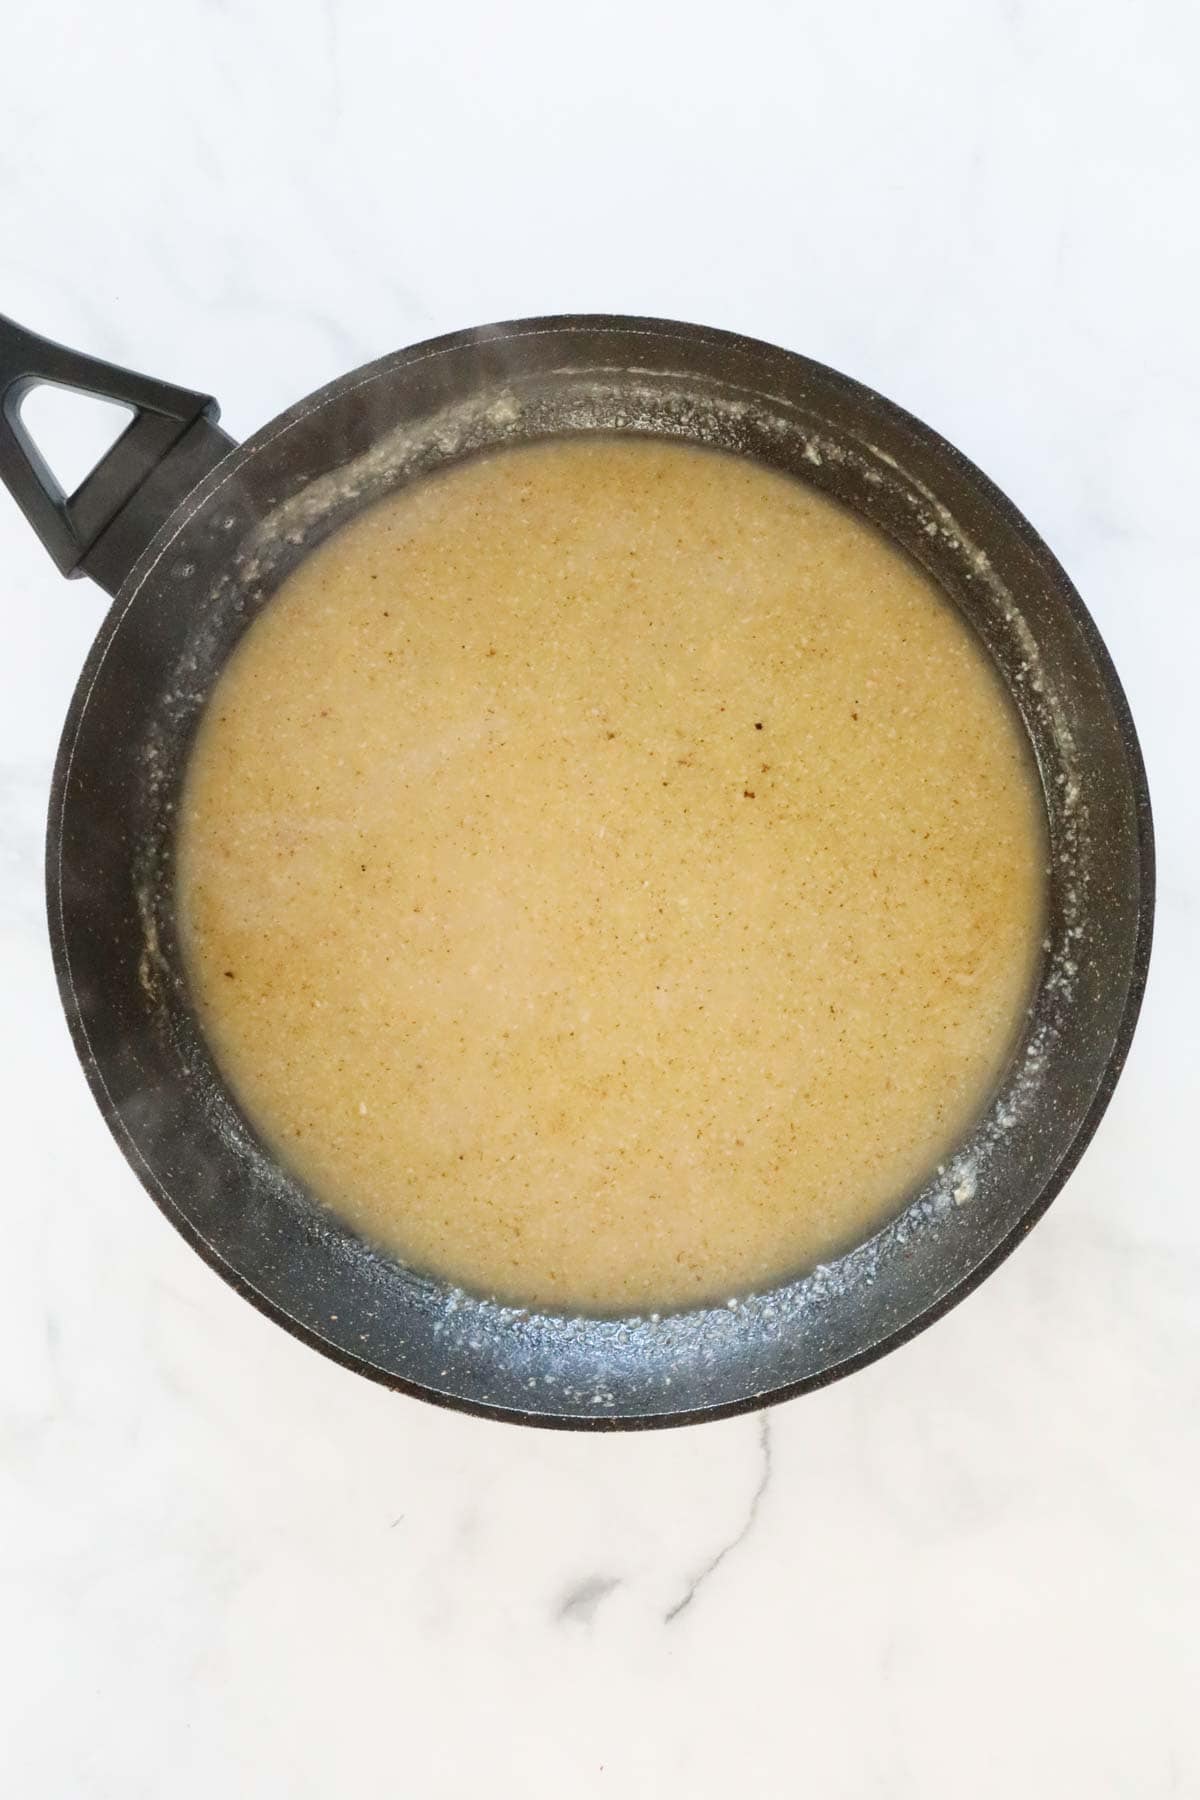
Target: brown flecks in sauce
{"points": [[530, 1014]]}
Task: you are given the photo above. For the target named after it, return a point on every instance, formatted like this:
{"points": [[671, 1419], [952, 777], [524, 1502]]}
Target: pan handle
{"points": [[169, 445]]}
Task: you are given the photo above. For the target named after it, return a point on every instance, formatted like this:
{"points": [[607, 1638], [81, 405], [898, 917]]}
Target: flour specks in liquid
{"points": [[611, 875]]}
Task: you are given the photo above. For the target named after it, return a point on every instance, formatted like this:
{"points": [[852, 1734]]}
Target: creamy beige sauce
{"points": [[610, 875]]}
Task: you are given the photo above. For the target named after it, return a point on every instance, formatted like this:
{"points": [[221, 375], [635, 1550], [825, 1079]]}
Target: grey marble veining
{"points": [[227, 1566]]}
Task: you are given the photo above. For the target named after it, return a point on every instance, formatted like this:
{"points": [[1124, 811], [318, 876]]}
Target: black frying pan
{"points": [[192, 534]]}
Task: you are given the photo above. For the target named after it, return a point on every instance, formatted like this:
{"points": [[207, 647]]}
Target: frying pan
{"points": [[192, 534]]}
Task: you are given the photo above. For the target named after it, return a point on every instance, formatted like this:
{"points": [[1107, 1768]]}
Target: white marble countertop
{"points": [[229, 1567]]}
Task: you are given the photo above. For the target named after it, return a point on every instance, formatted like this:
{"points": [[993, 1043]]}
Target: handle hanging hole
{"points": [[71, 430]]}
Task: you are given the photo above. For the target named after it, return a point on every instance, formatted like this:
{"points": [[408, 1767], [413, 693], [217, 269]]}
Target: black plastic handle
{"points": [[170, 444]]}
